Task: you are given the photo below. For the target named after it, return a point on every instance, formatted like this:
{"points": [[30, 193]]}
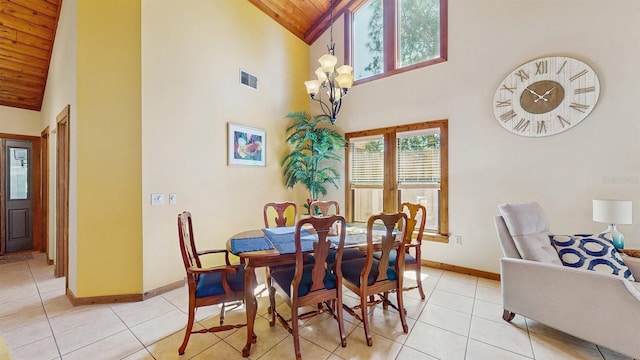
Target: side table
{"points": [[634, 265]]}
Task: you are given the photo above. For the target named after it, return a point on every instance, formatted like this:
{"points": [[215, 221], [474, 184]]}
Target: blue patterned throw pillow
{"points": [[590, 252]]}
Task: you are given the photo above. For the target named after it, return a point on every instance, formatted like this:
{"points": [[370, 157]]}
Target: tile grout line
{"points": [[44, 309]]}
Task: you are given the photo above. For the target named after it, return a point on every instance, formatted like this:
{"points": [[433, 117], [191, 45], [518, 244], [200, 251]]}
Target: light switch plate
{"points": [[173, 198], [157, 199]]}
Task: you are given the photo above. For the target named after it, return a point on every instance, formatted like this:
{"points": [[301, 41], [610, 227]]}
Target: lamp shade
{"points": [[613, 211], [312, 86]]}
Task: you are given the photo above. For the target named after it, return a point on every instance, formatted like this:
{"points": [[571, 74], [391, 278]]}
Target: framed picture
{"points": [[246, 145]]}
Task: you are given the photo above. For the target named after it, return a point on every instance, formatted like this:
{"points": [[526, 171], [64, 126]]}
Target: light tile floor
{"points": [[460, 319]]}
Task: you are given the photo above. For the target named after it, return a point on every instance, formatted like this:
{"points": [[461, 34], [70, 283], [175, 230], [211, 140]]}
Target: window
{"points": [[393, 36], [407, 163]]}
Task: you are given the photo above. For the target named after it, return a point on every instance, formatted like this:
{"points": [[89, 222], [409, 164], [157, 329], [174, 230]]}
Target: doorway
{"points": [[20, 198]]}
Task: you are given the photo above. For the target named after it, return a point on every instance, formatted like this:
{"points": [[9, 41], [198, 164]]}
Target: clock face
{"points": [[546, 96]]}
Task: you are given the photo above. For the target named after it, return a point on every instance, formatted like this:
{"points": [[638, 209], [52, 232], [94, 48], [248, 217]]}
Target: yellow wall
{"points": [[191, 56], [109, 172]]}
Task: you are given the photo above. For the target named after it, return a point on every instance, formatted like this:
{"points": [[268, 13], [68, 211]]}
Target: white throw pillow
{"points": [[591, 252]]}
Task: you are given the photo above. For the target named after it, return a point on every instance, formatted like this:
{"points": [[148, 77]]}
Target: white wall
{"points": [[60, 92], [19, 121], [599, 158]]}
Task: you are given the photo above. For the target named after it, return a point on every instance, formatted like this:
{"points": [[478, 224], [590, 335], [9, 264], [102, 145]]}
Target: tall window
{"points": [[392, 36], [407, 163]]}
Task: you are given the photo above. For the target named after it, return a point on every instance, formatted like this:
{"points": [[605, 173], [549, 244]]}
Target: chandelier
{"points": [[332, 83]]}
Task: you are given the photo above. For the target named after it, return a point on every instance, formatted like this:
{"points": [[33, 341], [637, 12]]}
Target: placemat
{"points": [[284, 239], [250, 244]]}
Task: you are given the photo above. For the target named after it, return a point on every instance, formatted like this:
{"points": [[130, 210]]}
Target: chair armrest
{"points": [[224, 268], [573, 301], [217, 251]]}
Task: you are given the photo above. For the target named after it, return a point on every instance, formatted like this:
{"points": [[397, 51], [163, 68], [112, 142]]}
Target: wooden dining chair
{"points": [[416, 219], [285, 212], [310, 284], [368, 276], [207, 286], [323, 208], [278, 214]]}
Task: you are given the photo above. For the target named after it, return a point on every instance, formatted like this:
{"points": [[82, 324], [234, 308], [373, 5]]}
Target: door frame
{"points": [[62, 194], [44, 191]]}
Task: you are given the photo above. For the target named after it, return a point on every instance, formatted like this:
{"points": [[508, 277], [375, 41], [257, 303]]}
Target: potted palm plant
{"points": [[314, 142]]}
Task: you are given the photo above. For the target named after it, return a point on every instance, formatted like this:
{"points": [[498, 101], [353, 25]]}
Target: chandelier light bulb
{"points": [[322, 76], [313, 86], [328, 62]]}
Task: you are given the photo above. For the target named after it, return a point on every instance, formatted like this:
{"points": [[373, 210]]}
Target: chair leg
{"points": [[272, 305], [187, 332], [508, 315], [337, 307], [267, 276], [222, 308], [365, 319], [295, 332], [419, 281], [402, 311]]}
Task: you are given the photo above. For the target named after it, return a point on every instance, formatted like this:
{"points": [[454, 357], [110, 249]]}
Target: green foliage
{"points": [[411, 143], [419, 33], [313, 140]]}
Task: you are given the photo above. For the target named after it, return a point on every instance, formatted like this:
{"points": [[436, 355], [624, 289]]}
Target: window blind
{"points": [[418, 158], [366, 161]]}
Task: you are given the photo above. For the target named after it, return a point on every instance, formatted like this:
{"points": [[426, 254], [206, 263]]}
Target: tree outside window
{"points": [[389, 36]]}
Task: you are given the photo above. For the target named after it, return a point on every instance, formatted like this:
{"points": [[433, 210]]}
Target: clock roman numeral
{"points": [[563, 121], [541, 67], [509, 89], [561, 67], [541, 127], [585, 90], [522, 125], [522, 75], [508, 115], [581, 73], [579, 107], [503, 103]]}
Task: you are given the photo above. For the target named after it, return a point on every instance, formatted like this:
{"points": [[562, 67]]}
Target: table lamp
{"points": [[613, 212]]}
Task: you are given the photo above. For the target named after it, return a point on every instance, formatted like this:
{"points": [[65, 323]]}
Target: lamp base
{"points": [[616, 236]]}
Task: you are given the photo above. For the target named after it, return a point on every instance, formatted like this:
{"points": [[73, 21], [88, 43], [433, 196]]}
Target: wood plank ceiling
{"points": [[28, 28]]}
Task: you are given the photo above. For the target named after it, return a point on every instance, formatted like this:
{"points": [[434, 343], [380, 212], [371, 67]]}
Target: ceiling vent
{"points": [[248, 79]]}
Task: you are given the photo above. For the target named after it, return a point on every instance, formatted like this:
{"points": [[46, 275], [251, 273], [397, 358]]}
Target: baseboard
{"points": [[461, 270], [122, 298]]}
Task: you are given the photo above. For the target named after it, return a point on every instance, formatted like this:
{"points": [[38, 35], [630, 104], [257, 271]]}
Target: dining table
{"points": [[272, 247]]}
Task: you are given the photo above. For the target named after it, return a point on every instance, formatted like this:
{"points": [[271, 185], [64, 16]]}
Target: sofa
{"points": [[599, 307]]}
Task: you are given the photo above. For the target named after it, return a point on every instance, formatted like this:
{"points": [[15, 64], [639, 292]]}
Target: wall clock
{"points": [[546, 96]]}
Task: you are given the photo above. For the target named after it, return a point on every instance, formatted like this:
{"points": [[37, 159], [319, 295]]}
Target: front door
{"points": [[18, 196]]}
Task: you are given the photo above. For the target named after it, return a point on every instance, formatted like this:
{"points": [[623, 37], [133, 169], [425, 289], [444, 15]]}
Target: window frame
{"points": [[391, 40], [390, 184]]}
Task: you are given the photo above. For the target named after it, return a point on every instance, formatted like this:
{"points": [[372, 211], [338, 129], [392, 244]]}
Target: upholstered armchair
{"points": [[595, 306]]}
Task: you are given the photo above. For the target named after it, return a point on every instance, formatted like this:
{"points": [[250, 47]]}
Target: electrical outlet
{"points": [[173, 198], [157, 199], [458, 240]]}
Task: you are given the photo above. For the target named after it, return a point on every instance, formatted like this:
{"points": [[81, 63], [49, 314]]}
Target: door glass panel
{"points": [[18, 174]]}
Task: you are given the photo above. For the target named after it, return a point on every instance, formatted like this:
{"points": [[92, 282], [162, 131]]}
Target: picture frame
{"points": [[246, 145]]}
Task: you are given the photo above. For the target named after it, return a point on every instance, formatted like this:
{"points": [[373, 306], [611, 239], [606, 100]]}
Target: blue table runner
{"points": [[283, 238]]}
